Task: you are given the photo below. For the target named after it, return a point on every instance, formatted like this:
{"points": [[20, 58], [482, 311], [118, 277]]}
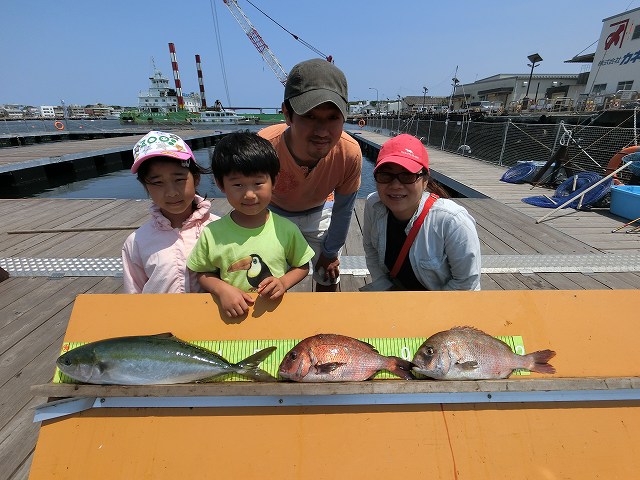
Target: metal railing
{"points": [[589, 147]]}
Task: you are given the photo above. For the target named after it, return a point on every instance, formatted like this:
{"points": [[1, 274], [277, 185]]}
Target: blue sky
{"points": [[86, 52]]}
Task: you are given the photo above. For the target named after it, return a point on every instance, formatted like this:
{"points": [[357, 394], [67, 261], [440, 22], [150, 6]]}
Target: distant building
{"points": [[12, 111], [192, 102], [510, 89], [361, 108], [612, 81], [76, 111], [424, 104], [615, 71], [98, 111], [47, 111]]}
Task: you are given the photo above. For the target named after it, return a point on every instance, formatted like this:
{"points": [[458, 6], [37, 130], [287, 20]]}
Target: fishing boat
{"points": [[159, 104], [220, 117]]}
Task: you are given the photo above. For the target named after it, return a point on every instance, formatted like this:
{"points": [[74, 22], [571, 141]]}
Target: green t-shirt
{"points": [[243, 257]]}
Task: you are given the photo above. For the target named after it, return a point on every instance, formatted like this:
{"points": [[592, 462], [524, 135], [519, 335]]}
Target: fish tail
{"points": [[540, 361], [401, 367], [249, 367]]}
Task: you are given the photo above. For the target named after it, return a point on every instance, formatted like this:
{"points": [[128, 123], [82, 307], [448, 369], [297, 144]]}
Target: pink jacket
{"points": [[154, 257]]}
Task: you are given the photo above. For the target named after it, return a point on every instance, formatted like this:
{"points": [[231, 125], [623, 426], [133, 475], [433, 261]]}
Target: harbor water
{"points": [[122, 184]]}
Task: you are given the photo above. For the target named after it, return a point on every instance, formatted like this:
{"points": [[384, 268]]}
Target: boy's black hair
{"points": [[246, 153]]}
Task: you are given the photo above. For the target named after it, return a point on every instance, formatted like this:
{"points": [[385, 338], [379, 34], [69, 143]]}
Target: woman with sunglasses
{"points": [[413, 238]]}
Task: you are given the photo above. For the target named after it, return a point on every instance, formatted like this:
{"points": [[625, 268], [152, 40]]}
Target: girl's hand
{"points": [[234, 302], [271, 288]]}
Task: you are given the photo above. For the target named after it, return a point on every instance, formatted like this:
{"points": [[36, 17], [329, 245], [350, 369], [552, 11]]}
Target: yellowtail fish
{"points": [[154, 360]]}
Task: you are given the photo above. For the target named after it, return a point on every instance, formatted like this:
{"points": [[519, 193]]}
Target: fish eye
{"points": [[67, 362], [293, 355], [430, 351]]}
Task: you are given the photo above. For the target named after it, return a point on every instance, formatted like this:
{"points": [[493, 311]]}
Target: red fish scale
{"points": [[360, 363], [361, 360]]}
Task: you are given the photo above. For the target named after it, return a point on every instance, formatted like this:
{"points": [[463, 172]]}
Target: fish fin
{"points": [[402, 368], [261, 375], [249, 366], [470, 365], [369, 345], [540, 359], [328, 367], [163, 335]]}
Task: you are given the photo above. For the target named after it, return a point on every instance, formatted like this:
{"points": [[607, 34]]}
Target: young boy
{"points": [[250, 249]]}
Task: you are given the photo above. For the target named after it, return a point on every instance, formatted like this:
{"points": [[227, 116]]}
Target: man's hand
{"points": [[330, 267]]}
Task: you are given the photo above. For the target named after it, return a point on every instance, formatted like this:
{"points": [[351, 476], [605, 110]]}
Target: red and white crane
{"points": [[259, 43], [256, 39]]}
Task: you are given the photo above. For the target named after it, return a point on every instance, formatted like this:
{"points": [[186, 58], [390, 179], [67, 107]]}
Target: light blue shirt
{"points": [[445, 254]]}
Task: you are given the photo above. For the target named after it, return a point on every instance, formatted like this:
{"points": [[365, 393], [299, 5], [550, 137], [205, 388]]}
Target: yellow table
{"points": [[594, 333]]}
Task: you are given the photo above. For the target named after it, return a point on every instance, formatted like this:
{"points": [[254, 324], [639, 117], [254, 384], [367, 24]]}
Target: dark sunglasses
{"points": [[403, 177]]}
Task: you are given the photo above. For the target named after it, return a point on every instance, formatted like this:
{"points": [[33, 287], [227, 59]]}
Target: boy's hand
{"points": [[234, 302], [271, 288]]}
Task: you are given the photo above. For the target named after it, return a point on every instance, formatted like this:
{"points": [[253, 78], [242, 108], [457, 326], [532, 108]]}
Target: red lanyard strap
{"points": [[412, 235]]}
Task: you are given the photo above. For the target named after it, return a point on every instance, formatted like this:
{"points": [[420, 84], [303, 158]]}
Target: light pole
{"points": [[534, 58], [377, 101], [454, 83], [424, 97], [399, 103]]}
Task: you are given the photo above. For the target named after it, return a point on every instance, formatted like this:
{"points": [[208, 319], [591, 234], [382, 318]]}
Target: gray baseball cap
{"points": [[313, 82]]}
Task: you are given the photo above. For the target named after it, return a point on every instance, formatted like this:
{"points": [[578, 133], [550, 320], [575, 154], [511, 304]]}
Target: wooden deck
{"points": [[17, 158], [34, 311]]}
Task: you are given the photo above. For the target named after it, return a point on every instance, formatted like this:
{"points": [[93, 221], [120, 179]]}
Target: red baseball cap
{"points": [[404, 150]]}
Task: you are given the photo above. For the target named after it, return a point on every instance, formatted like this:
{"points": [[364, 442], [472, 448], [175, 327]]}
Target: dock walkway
{"points": [[570, 251]]}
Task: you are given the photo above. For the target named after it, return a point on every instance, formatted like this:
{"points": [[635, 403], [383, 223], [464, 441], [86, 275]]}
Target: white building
{"points": [[613, 80], [509, 90], [615, 73], [47, 111], [192, 102]]}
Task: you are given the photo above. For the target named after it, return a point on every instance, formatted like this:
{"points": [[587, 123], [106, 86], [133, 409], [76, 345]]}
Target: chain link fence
{"points": [[590, 148]]}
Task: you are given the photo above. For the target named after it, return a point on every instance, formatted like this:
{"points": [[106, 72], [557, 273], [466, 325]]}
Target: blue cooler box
{"points": [[625, 201]]}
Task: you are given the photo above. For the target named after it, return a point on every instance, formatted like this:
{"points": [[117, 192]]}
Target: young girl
{"points": [[445, 252], [154, 257]]}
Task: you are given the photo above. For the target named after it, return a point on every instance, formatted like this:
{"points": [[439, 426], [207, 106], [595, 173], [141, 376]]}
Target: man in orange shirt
{"points": [[320, 165]]}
